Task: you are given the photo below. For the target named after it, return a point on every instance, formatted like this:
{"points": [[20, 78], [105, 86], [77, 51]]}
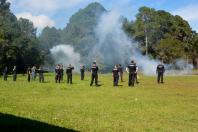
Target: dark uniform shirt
{"points": [[58, 71], [115, 72], [160, 68], [5, 70], [69, 70], [132, 68], [94, 70]]}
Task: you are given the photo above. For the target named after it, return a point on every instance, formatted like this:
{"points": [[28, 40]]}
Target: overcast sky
{"points": [[57, 12]]}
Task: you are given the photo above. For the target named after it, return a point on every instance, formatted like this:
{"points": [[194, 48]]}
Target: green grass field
{"points": [[172, 106]]}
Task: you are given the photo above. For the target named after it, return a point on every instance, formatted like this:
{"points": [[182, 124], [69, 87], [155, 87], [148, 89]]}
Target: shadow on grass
{"points": [[10, 123]]}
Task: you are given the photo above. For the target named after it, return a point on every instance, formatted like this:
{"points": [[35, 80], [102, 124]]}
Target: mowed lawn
{"points": [[172, 106]]}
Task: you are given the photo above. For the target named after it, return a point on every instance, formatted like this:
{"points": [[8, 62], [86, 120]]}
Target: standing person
{"points": [[28, 73], [14, 73], [94, 74], [62, 72], [5, 73], [121, 72], [131, 69], [57, 74], [82, 72], [160, 73], [41, 75], [115, 74], [33, 70], [69, 73], [136, 75]]}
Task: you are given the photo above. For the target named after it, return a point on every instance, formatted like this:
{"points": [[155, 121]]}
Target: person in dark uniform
{"points": [[41, 75], [14, 73], [69, 73], [94, 74], [121, 72], [160, 73], [57, 74], [131, 69], [82, 72], [62, 72], [5, 73], [29, 73], [115, 74]]}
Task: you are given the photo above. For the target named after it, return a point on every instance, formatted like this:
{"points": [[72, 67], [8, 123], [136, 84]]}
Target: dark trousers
{"points": [[28, 77], [131, 79], [94, 77], [5, 76], [82, 75], [14, 77], [160, 78], [115, 80], [57, 78], [41, 78], [69, 78]]}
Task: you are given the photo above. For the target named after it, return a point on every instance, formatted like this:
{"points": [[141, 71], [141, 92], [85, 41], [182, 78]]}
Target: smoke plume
{"points": [[114, 46], [65, 54]]}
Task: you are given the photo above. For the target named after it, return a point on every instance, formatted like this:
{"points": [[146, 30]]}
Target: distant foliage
{"points": [[18, 41], [169, 37]]}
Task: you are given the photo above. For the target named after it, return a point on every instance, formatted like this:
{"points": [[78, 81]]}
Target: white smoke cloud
{"points": [[114, 47], [39, 21], [65, 54]]}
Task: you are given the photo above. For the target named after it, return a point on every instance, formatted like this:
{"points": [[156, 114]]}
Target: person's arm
{"points": [[127, 69], [136, 69]]}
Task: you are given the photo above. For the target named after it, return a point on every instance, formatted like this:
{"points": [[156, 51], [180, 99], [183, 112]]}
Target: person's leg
{"points": [[114, 81], [92, 79], [28, 78], [162, 78], [158, 78], [96, 80], [71, 79], [15, 77], [68, 79], [130, 77], [59, 78], [83, 76], [133, 79]]}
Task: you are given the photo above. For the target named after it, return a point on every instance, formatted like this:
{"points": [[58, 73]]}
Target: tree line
{"points": [[159, 34]]}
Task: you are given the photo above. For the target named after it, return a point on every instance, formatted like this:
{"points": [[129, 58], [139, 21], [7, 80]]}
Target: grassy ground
{"points": [[172, 106]]}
